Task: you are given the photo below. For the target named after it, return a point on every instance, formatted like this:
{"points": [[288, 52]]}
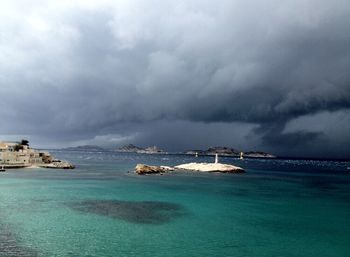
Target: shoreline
{"points": [[59, 165]]}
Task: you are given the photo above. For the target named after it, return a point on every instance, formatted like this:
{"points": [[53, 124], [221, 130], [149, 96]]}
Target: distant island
{"points": [[130, 148], [258, 154], [21, 155], [87, 148], [226, 151]]}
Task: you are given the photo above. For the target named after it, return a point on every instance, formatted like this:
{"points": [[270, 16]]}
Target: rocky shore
{"points": [[58, 164]]}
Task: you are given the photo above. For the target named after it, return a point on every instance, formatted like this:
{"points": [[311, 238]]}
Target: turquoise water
{"points": [[278, 208]]}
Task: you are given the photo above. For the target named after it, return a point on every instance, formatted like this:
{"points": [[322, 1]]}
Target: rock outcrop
{"points": [[58, 164], [143, 169], [210, 167]]}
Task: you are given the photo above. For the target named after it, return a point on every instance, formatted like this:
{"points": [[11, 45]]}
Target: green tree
{"points": [[24, 142]]}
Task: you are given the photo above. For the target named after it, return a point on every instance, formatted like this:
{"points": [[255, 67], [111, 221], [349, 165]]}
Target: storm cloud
{"points": [[258, 74]]}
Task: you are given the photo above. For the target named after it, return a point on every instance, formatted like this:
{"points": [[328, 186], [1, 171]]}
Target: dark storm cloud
{"points": [[272, 135], [112, 69]]}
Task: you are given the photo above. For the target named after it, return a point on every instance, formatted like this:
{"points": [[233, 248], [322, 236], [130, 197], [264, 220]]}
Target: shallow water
{"points": [[278, 208]]}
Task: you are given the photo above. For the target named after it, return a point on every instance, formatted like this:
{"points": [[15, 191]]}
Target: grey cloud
{"points": [[86, 70]]}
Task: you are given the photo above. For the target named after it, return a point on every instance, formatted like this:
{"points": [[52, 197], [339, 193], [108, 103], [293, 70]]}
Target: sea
{"points": [[279, 207]]}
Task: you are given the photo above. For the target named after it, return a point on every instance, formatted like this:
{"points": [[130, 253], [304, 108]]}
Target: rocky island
{"points": [[226, 151], [210, 167], [20, 155], [142, 169], [85, 148], [130, 148], [258, 154]]}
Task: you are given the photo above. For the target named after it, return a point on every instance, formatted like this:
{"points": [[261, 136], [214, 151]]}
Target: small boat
{"points": [[2, 169]]}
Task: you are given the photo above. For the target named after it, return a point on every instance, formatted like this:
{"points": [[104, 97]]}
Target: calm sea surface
{"points": [[284, 208]]}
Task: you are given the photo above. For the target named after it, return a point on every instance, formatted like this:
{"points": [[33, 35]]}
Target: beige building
{"points": [[7, 146], [12, 153]]}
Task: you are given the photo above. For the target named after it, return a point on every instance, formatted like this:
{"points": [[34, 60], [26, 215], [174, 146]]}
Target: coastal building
{"points": [[7, 146], [20, 155], [17, 154]]}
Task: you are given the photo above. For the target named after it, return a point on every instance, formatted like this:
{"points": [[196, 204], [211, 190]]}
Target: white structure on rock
{"points": [[216, 158]]}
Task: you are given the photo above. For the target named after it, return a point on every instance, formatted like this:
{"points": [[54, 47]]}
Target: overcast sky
{"points": [[253, 75]]}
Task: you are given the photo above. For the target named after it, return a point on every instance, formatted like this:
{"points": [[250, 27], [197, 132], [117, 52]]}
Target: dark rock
{"points": [[143, 169]]}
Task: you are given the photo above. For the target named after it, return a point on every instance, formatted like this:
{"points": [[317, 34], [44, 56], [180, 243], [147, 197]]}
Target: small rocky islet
{"points": [[142, 169]]}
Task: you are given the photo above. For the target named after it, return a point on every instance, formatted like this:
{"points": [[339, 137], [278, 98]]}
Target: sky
{"points": [[253, 75]]}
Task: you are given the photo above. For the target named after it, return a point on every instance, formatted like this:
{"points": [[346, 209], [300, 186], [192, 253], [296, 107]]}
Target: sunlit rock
{"points": [[210, 167], [142, 169]]}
